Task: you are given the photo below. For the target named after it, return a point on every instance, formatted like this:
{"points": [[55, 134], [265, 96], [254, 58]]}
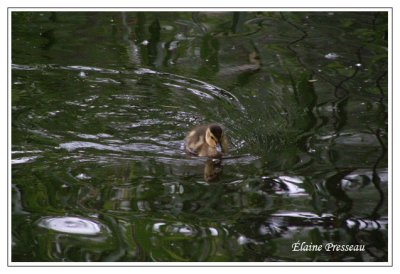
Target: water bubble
{"points": [[213, 231], [263, 230], [173, 45], [167, 27], [82, 176], [331, 56], [156, 226], [71, 225], [180, 36], [242, 240]]}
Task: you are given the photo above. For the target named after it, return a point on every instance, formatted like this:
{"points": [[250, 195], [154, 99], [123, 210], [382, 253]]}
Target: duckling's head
{"points": [[214, 136]]}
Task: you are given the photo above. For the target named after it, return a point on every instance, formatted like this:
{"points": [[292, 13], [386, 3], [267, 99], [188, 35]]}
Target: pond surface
{"points": [[101, 103]]}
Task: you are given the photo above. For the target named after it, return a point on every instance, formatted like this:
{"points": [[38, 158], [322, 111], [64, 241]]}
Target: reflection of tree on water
{"points": [[376, 180], [334, 186]]}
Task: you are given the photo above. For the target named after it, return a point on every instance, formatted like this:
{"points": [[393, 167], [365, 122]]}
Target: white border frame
{"points": [[170, 264]]}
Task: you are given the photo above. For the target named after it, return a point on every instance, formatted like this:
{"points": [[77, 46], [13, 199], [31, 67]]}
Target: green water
{"points": [[101, 103]]}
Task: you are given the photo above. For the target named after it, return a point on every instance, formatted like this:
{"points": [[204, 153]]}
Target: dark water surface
{"points": [[101, 103]]}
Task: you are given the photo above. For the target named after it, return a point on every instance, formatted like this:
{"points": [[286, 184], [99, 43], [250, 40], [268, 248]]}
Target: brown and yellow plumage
{"points": [[207, 140]]}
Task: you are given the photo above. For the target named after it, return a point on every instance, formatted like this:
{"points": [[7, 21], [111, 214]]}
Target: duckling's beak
{"points": [[218, 147]]}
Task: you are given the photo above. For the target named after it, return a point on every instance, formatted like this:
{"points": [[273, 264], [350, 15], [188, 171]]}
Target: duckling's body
{"points": [[207, 140]]}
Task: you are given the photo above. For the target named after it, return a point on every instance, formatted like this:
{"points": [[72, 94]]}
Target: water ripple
{"points": [[23, 160], [193, 85], [71, 146]]}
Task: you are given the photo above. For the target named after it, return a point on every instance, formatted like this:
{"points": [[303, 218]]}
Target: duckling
{"points": [[207, 140]]}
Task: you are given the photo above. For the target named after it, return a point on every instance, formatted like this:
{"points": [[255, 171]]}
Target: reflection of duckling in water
{"points": [[253, 65], [212, 169], [207, 140]]}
